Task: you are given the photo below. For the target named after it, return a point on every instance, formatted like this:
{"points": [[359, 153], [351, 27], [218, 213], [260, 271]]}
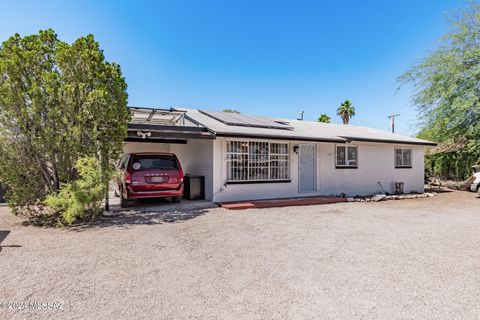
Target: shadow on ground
{"points": [[3, 235], [149, 212], [133, 217], [438, 190]]}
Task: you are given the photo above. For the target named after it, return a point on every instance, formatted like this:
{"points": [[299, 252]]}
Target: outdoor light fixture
{"points": [[295, 149], [144, 135]]}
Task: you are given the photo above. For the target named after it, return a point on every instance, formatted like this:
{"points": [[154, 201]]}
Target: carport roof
{"points": [[299, 130]]}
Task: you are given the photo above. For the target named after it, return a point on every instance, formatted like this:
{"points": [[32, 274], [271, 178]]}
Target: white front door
{"points": [[307, 156]]}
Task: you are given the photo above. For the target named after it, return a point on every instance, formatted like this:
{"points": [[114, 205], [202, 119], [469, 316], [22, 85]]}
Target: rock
{"points": [[379, 197], [350, 199]]}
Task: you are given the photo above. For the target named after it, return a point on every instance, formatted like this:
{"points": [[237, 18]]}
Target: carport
{"points": [[169, 130]]}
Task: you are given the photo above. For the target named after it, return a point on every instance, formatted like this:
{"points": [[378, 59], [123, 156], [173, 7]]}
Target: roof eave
{"points": [[278, 137], [418, 143]]}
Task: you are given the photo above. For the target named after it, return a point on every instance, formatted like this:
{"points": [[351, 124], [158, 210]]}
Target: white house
{"points": [[247, 157]]}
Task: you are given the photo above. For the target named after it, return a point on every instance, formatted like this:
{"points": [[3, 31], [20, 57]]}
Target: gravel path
{"points": [[408, 259]]}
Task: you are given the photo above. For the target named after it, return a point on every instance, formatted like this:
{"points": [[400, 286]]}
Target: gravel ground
{"points": [[405, 259]]}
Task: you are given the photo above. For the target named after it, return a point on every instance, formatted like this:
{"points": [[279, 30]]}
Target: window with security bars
{"points": [[403, 158], [346, 156], [257, 161]]}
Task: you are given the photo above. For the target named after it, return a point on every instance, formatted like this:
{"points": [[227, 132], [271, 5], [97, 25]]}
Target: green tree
{"points": [[58, 103], [324, 118], [80, 199], [231, 111], [346, 111], [447, 93]]}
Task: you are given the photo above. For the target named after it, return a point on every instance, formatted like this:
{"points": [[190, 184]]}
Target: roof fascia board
{"points": [[418, 143], [162, 128], [257, 136]]}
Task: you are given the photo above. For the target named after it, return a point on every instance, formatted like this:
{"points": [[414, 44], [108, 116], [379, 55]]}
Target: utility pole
{"points": [[301, 116], [392, 121]]}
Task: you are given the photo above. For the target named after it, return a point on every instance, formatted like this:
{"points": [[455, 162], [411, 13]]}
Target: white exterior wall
{"points": [[195, 157], [375, 163]]}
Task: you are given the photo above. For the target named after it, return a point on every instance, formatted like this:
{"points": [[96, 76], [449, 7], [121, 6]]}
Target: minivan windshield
{"points": [[153, 162]]}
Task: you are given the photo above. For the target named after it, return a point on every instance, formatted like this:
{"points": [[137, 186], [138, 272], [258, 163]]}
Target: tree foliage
{"points": [[324, 118], [346, 111], [447, 94], [58, 103], [80, 199], [231, 111]]}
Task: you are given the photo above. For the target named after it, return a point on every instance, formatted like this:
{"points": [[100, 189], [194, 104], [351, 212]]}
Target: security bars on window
{"points": [[257, 161], [403, 157], [346, 156]]}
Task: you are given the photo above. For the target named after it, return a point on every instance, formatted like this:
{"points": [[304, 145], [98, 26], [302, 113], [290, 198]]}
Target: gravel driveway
{"points": [[409, 259]]}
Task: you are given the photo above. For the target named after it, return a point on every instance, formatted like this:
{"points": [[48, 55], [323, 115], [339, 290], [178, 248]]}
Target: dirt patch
{"points": [[387, 260]]}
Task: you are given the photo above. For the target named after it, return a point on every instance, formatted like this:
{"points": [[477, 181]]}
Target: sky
{"points": [[270, 58]]}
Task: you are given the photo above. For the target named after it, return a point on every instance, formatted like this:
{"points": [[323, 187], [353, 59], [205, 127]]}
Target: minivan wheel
{"points": [[177, 199], [124, 203]]}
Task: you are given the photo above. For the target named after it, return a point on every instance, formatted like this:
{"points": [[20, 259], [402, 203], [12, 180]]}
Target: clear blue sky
{"points": [[272, 58]]}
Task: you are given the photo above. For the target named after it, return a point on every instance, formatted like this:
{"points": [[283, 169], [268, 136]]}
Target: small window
{"points": [[346, 156], [403, 158]]}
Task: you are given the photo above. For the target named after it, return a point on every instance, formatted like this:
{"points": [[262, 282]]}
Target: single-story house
{"points": [[246, 157]]}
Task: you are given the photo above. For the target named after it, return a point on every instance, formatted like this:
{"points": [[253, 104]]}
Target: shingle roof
{"points": [[304, 130]]}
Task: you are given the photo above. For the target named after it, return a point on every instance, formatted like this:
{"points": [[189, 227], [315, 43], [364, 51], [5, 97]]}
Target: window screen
{"points": [[403, 157]]}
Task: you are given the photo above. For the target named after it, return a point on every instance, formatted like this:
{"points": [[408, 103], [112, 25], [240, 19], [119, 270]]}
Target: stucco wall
{"points": [[195, 157], [375, 163]]}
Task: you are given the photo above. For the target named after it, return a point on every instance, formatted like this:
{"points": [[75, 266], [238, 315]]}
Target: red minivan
{"points": [[149, 175]]}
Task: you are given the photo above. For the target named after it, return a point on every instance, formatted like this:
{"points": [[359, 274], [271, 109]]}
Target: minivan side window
{"points": [[123, 162]]}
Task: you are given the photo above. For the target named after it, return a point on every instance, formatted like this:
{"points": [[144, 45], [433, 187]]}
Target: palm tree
{"points": [[230, 111], [346, 111], [324, 118]]}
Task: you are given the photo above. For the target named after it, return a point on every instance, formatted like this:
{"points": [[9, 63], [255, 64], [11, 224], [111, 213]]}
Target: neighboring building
{"points": [[247, 157]]}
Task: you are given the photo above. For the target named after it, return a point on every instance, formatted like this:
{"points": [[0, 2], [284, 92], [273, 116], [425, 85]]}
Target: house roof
{"points": [[298, 130]]}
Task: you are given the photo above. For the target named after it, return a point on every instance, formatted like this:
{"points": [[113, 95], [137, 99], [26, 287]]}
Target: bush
{"points": [[453, 165], [80, 199]]}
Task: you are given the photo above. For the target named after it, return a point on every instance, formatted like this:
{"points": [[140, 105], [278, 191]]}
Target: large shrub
{"points": [[81, 199], [58, 102]]}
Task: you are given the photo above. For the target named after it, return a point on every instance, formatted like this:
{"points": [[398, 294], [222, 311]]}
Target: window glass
{"points": [[403, 157], [153, 162], [340, 156], [122, 163], [257, 161], [352, 156], [346, 156]]}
